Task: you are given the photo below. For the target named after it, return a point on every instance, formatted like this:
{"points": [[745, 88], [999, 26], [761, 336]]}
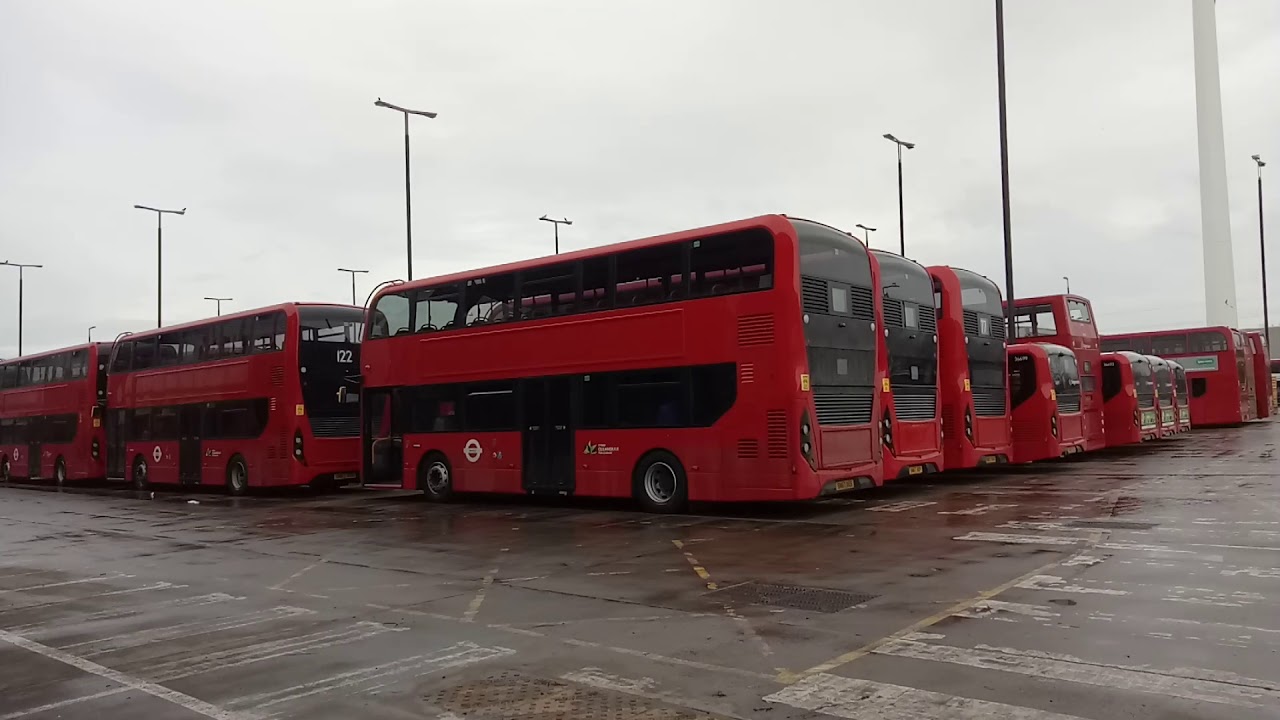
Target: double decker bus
{"points": [[1044, 391], [911, 427], [1166, 405], [1261, 373], [1067, 320], [51, 414], [732, 362], [972, 376], [260, 398], [1120, 400], [1220, 385], [1180, 395]]}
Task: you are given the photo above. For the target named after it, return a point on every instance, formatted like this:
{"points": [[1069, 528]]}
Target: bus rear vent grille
{"points": [[843, 409], [927, 318], [951, 420], [277, 376], [1068, 403], [813, 293], [331, 427], [988, 402], [776, 430], [747, 373], [862, 303], [971, 324], [893, 313], [748, 448], [911, 407], [755, 329]]}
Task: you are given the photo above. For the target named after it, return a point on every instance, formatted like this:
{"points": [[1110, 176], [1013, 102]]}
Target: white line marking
{"points": [[1085, 560], [62, 703], [977, 509], [992, 609], [259, 652], [99, 646], [1189, 684], [101, 578], [1053, 583], [595, 677], [1020, 539], [182, 700], [867, 700], [462, 653], [474, 607], [59, 623], [280, 585], [1254, 572], [903, 506]]}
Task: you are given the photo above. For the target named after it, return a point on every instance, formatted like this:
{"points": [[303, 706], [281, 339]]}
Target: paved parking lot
{"points": [[1123, 585]]}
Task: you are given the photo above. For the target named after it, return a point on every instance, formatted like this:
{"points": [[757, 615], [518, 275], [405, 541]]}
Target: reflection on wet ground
{"points": [[1137, 583]]}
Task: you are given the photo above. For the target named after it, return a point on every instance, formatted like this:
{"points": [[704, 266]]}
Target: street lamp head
{"points": [[890, 137], [424, 113], [864, 227], [351, 270], [1258, 159], [908, 145]]}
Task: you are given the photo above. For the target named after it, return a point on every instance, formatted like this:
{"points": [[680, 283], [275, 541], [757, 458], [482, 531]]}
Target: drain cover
{"points": [[1114, 524], [510, 696], [795, 597]]}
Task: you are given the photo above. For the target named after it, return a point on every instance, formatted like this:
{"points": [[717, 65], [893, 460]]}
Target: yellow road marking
{"points": [[693, 562]]}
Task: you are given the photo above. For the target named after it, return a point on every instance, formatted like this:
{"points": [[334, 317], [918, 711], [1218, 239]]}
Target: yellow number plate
{"points": [[843, 485], [915, 469]]}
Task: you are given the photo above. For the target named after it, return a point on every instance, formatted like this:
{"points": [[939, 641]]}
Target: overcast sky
{"points": [[632, 118]]}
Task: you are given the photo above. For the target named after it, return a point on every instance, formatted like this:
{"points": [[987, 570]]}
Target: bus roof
{"points": [[776, 223], [1173, 331], [235, 316], [58, 351], [1048, 299]]}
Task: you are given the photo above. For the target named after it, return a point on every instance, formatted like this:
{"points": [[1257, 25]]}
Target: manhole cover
{"points": [[510, 696], [1114, 524], [795, 597]]}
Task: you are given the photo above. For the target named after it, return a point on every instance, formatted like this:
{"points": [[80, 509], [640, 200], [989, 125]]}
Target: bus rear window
{"points": [[1207, 341]]}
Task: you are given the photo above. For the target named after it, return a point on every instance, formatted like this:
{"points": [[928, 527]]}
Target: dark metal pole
{"points": [[557, 227], [1004, 173], [1262, 251], [902, 228], [159, 266], [408, 202], [353, 288], [20, 269]]}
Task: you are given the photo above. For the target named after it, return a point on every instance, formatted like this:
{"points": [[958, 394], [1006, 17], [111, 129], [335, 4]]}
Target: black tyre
{"points": [[4, 469], [139, 474], [237, 476], [659, 483], [435, 477], [60, 471]]}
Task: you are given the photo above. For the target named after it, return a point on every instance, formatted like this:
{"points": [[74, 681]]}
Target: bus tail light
{"points": [[297, 444], [806, 440], [1053, 424], [886, 430], [95, 449], [968, 424], [1137, 421]]}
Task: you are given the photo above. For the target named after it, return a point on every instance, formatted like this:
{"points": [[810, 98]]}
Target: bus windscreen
{"points": [[329, 360]]}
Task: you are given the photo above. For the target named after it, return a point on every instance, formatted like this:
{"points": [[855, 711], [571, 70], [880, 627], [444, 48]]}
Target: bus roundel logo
{"points": [[472, 450], [155, 454]]}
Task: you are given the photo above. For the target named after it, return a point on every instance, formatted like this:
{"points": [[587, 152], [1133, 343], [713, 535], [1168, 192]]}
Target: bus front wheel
{"points": [[659, 483], [140, 474], [435, 477], [237, 477], [60, 471]]}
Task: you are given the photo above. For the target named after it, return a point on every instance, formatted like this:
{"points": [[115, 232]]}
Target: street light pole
{"points": [[557, 224], [160, 252], [902, 232], [866, 234], [1004, 173], [353, 281], [1262, 250], [21, 267], [91, 329], [219, 301], [408, 204]]}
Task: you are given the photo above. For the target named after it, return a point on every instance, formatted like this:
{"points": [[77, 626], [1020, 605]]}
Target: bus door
{"points": [[383, 446], [548, 435], [115, 443], [33, 455], [190, 458]]}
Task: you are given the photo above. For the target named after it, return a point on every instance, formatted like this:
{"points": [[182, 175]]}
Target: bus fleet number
{"points": [[344, 356]]}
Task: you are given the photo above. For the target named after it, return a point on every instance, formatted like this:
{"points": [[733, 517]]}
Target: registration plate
{"points": [[915, 469], [345, 476], [843, 485], [989, 460]]}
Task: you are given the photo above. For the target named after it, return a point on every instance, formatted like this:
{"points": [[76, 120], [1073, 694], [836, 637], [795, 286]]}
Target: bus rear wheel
{"points": [[237, 477], [140, 474], [435, 477], [659, 483], [60, 471]]}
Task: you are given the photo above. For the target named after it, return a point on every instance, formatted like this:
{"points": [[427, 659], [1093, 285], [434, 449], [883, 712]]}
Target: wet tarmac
{"points": [[1136, 584]]}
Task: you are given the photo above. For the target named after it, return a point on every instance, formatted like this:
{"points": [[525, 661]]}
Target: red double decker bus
{"points": [[1067, 320], [51, 414], [733, 362], [1044, 392], [1261, 373], [1120, 398], [973, 379], [909, 421], [261, 398], [1218, 374]]}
